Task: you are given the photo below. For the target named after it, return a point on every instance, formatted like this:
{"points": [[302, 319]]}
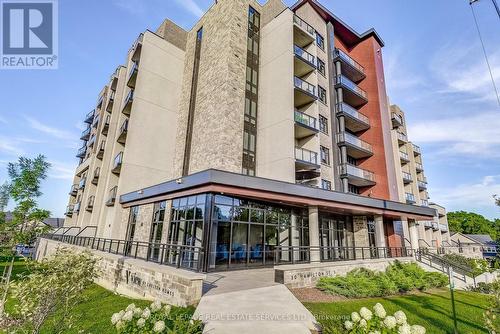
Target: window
{"points": [[129, 236], [320, 41], [323, 124], [322, 94], [321, 66], [325, 184], [325, 155], [156, 232], [352, 189]]}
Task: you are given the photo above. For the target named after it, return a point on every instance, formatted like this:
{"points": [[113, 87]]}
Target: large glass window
{"points": [[129, 236], [336, 237], [156, 232]]}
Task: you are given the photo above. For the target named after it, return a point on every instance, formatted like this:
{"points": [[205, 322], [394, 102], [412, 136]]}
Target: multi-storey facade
{"points": [[412, 185], [259, 136]]}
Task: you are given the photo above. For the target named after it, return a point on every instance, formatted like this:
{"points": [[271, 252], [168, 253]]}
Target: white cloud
{"points": [[49, 130], [10, 146], [476, 197], [477, 134], [463, 71], [62, 170], [131, 6], [191, 6]]}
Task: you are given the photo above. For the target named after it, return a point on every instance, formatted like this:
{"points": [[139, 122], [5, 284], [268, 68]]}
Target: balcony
{"points": [[114, 79], [92, 141], [99, 102], [304, 92], [349, 67], [89, 118], [304, 62], [69, 210], [402, 139], [100, 152], [82, 151], [352, 94], [397, 120], [435, 226], [423, 179], [419, 167], [416, 149], [111, 101], [74, 190], [427, 224], [305, 159], [136, 48], [305, 125], [90, 204], [127, 107], [112, 197], [422, 186], [443, 228], [117, 164], [105, 126], [354, 120], [356, 147], [122, 135], [303, 33], [95, 178], [76, 207], [407, 178], [403, 156], [424, 202], [356, 176], [81, 184], [410, 198], [132, 75], [85, 134]]}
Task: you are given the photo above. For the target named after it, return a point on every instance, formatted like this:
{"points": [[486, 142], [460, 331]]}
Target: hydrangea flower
{"points": [[159, 327], [379, 310], [141, 322], [400, 317], [348, 325], [365, 313], [167, 309], [363, 323], [417, 329], [355, 317], [390, 322], [115, 318], [137, 312], [374, 332], [146, 313], [156, 306], [130, 307], [128, 315], [404, 329], [120, 324]]}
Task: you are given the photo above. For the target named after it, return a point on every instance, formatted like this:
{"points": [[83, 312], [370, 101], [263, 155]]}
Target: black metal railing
{"points": [[179, 256]]}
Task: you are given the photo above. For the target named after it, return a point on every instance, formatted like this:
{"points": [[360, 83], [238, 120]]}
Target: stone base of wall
{"points": [[307, 275], [137, 278]]}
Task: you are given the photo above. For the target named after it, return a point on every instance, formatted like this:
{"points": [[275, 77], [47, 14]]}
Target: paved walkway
{"points": [[249, 302]]}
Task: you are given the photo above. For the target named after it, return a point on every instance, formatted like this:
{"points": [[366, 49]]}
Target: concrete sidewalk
{"points": [[264, 310]]}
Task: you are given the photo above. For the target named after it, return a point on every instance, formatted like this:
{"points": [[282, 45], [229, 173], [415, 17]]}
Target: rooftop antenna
{"points": [[471, 2]]}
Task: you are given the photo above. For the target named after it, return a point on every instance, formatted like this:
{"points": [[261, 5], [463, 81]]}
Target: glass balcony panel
{"points": [[305, 86], [351, 85], [306, 155], [305, 119], [304, 25], [354, 113]]}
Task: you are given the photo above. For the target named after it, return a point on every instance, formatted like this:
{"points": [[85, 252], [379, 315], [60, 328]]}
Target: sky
{"points": [[434, 66]]}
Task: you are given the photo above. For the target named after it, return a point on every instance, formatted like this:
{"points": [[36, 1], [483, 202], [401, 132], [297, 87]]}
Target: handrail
{"points": [[445, 263]]}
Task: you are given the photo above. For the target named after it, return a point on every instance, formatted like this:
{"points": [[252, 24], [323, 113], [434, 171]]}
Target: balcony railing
{"points": [[82, 182], [351, 170], [347, 109], [122, 135], [407, 177], [410, 198], [128, 102], [404, 156], [85, 134], [74, 190], [100, 152], [305, 119], [345, 57], [422, 185], [346, 137], [424, 202], [344, 81], [397, 120], [112, 196], [69, 210], [304, 25], [89, 117], [402, 137], [303, 154], [304, 55], [132, 75], [76, 207], [305, 86], [90, 203], [81, 152], [95, 178], [105, 126], [117, 163], [416, 149], [419, 166], [443, 227]]}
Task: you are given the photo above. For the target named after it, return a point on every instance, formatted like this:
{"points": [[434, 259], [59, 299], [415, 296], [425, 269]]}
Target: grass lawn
{"points": [[94, 314], [429, 309]]}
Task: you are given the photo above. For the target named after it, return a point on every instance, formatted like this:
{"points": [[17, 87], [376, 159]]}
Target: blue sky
{"points": [[434, 68]]}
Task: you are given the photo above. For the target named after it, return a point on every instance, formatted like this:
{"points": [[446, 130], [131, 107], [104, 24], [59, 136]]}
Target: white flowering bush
{"points": [[157, 318], [378, 322]]}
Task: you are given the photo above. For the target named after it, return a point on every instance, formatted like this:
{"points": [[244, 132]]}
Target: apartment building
{"points": [[260, 136]]}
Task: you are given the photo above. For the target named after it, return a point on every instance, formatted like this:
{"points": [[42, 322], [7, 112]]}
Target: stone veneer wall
{"points": [[137, 278], [307, 275]]}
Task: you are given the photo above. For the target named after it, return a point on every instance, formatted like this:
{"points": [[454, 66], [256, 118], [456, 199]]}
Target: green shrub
{"points": [[398, 277], [477, 266]]}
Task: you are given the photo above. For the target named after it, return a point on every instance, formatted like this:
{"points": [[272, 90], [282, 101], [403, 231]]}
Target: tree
{"points": [[471, 223]]}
